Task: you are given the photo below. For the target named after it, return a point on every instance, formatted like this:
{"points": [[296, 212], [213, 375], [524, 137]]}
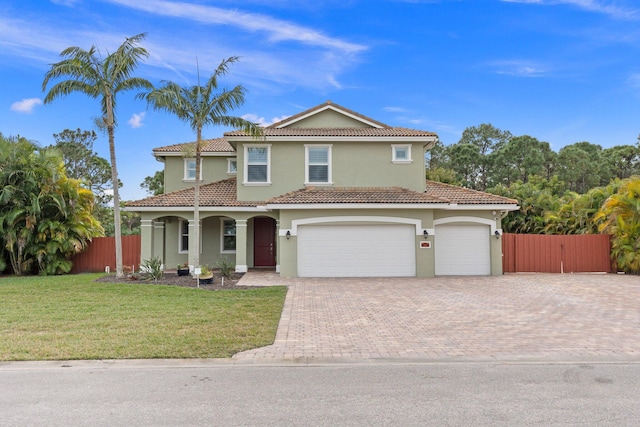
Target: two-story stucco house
{"points": [[325, 193]]}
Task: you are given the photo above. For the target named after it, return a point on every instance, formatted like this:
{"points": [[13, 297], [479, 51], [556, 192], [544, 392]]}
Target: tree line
{"points": [[486, 157], [581, 189]]}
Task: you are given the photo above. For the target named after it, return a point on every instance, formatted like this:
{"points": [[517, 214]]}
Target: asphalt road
{"points": [[224, 393]]}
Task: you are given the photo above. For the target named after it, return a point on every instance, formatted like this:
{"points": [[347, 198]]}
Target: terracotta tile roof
{"points": [[320, 107], [220, 193], [347, 132], [223, 194], [216, 145], [465, 196], [354, 195]]}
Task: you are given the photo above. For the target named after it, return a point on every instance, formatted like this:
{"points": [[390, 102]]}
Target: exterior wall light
{"points": [[497, 233], [288, 234], [425, 233]]}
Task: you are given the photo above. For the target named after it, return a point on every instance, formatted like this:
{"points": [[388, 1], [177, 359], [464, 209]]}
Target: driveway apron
{"points": [[511, 317]]}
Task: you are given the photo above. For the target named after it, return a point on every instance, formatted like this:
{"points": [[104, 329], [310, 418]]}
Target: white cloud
{"points": [[26, 105], [610, 8], [277, 30], [395, 109], [65, 2], [519, 68], [261, 120], [634, 80], [136, 120]]}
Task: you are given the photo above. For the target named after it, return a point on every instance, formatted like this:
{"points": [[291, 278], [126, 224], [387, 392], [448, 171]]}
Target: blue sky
{"points": [[562, 71]]}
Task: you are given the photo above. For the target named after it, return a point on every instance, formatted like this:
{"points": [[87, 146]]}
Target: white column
{"points": [[241, 246], [146, 240]]}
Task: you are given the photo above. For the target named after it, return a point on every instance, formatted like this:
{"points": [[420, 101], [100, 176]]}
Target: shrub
{"points": [[226, 267], [152, 268]]}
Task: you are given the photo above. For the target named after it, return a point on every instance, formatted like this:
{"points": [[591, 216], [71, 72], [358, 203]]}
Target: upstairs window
{"points": [[258, 170], [401, 153], [318, 164], [190, 169]]}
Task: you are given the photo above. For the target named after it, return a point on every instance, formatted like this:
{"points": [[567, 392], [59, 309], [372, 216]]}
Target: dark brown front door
{"points": [[264, 242]]}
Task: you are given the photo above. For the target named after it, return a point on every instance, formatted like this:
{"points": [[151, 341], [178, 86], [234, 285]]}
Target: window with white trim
{"points": [[190, 169], [401, 153], [228, 235], [183, 236], [257, 160], [317, 164], [232, 166]]}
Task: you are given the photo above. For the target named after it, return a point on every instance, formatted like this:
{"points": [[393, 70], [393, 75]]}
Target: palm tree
{"points": [[201, 106], [620, 217], [102, 78], [45, 217]]}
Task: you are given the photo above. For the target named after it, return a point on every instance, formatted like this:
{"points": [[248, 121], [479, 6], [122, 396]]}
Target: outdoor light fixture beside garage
{"points": [[288, 234], [497, 233], [425, 233]]}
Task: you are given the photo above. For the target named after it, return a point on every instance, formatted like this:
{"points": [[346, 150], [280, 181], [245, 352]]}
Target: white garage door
{"points": [[462, 250], [356, 250]]}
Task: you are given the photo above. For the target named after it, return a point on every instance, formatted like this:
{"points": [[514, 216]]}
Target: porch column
{"points": [[158, 241], [241, 246], [146, 239]]}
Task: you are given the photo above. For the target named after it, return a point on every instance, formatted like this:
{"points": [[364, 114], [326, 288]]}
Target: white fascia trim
{"points": [[329, 107], [456, 207], [325, 139], [202, 154], [360, 219], [202, 209], [358, 206], [472, 219]]}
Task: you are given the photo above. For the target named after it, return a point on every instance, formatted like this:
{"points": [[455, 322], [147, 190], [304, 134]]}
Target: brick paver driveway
{"points": [[511, 317]]}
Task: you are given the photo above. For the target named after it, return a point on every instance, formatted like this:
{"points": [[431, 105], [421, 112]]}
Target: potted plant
{"points": [[183, 269], [206, 275]]}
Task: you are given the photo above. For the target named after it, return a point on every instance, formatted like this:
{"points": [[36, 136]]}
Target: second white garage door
{"points": [[462, 250], [356, 250]]}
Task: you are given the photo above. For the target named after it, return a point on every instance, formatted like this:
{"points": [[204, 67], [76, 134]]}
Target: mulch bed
{"points": [[173, 279]]}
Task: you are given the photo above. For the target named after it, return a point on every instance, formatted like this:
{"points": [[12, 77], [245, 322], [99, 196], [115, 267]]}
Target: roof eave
{"points": [[289, 206], [201, 209], [371, 138]]}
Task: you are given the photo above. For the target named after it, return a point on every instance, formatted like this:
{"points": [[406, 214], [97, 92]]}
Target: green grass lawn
{"points": [[73, 317]]}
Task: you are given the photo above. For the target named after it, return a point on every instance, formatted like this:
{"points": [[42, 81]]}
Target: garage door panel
{"points": [[462, 250], [356, 250]]}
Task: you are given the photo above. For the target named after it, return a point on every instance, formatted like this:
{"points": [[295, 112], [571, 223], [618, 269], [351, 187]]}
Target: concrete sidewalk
{"points": [[511, 317]]}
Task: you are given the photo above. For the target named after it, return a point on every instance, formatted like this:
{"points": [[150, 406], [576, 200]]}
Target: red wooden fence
{"points": [[102, 252], [556, 254]]}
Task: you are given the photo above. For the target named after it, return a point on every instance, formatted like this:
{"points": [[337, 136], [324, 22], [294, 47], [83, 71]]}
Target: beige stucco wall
{"points": [[353, 164], [287, 248], [328, 119], [213, 169]]}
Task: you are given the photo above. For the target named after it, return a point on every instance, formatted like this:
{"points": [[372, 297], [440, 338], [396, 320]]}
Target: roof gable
{"points": [[328, 115]]}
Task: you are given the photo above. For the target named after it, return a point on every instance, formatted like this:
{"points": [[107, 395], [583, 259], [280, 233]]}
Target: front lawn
{"points": [[73, 317]]}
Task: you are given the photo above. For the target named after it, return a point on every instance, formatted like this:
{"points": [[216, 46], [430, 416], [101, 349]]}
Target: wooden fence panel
{"points": [[538, 253], [101, 252]]}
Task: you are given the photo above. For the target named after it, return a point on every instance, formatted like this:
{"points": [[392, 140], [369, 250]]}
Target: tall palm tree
{"points": [[201, 106], [103, 78]]}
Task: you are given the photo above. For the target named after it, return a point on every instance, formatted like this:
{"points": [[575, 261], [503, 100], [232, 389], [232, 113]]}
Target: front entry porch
{"points": [[247, 241]]}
